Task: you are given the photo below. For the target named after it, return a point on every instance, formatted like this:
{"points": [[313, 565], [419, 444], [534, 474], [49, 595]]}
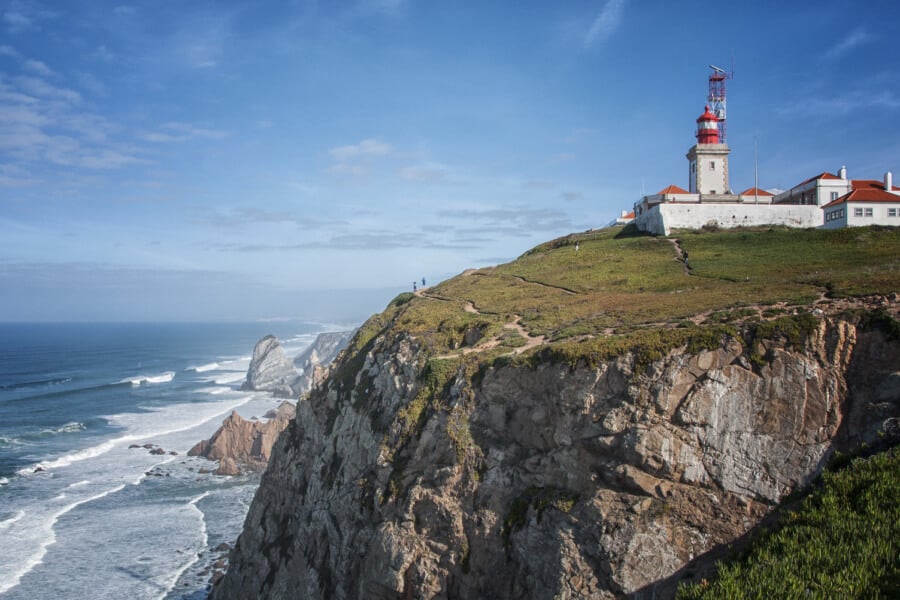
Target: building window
{"points": [[892, 212], [712, 165], [834, 195], [868, 212], [857, 212]]}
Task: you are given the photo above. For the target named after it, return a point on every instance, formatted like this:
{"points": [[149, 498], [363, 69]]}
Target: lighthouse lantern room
{"points": [[708, 158]]}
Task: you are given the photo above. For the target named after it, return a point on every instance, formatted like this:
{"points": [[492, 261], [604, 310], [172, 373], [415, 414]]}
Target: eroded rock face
{"points": [[270, 369], [315, 360], [241, 443], [549, 481]]}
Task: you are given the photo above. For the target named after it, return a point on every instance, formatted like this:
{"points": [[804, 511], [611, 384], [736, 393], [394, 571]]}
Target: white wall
{"points": [[662, 218], [879, 213]]}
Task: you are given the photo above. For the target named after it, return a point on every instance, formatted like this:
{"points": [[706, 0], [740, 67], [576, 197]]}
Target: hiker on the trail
{"points": [[414, 286], [576, 246], [423, 282]]}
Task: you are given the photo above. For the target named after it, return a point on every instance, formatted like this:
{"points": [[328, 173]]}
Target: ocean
{"points": [[84, 513]]}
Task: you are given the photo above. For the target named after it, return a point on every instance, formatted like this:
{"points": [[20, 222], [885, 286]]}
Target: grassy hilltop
{"points": [[621, 289]]}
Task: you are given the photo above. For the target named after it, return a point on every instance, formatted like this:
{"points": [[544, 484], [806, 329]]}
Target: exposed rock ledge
{"points": [[241, 443]]}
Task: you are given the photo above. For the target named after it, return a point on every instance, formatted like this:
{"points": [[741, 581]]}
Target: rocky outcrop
{"points": [[407, 476], [270, 369], [240, 443], [315, 360]]}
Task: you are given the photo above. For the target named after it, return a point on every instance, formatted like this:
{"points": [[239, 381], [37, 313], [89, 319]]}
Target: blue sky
{"points": [[247, 160]]}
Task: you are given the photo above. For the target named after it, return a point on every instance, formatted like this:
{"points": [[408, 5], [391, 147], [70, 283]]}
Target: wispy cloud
{"points": [[45, 123], [855, 38], [511, 220], [426, 173], [181, 132], [844, 104], [364, 149], [388, 7], [247, 215], [605, 23], [354, 159], [22, 15]]}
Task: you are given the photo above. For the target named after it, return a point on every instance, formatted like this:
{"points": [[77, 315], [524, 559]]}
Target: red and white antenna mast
{"points": [[716, 97]]}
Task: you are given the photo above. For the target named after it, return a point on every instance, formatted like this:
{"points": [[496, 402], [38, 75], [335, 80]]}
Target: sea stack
{"points": [[270, 370], [242, 443]]}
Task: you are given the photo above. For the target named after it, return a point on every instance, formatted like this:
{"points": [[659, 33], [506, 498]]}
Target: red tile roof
{"points": [[672, 189], [629, 215], [819, 176], [756, 192], [870, 184], [871, 194]]}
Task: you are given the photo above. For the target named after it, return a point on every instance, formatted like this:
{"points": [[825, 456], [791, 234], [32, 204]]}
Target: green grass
{"points": [[620, 283], [841, 541]]}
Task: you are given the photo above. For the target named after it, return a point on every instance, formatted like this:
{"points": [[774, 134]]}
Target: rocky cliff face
{"points": [[240, 443], [315, 360], [270, 370], [406, 476]]}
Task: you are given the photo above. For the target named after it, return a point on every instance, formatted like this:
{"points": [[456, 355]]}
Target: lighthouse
{"points": [[708, 159], [707, 128]]}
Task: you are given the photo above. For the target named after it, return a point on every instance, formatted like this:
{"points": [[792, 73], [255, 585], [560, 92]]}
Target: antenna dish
{"points": [[715, 68]]}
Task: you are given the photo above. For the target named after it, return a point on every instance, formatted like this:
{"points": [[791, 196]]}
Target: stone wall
{"points": [[662, 218]]}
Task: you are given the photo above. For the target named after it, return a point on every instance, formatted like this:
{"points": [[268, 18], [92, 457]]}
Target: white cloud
{"points": [[181, 132], [355, 159], [855, 38], [605, 23], [42, 123], [36, 66], [42, 89], [22, 15], [364, 149], [845, 104]]}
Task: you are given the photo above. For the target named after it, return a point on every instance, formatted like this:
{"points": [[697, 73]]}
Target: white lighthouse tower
{"points": [[708, 159]]}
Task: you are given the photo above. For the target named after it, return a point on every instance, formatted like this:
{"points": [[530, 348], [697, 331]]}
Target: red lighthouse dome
{"points": [[707, 128]]}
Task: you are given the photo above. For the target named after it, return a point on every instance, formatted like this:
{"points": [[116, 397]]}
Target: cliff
{"points": [[315, 361], [527, 431]]}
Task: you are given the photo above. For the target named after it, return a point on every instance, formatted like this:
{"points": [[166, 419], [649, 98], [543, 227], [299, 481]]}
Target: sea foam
{"points": [[150, 379], [41, 536], [204, 368], [142, 426]]}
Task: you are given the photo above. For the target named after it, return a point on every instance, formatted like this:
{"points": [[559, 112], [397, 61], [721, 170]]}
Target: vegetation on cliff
{"points": [[599, 292], [840, 541]]}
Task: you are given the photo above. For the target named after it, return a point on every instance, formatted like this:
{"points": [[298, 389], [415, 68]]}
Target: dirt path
{"points": [[681, 256], [531, 341], [546, 285]]}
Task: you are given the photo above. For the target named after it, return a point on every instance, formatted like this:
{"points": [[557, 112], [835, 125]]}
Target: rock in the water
{"points": [[227, 466], [244, 442], [315, 360], [270, 370]]}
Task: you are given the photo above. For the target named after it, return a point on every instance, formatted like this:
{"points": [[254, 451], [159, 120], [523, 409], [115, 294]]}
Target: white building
{"points": [[818, 190], [870, 202]]}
